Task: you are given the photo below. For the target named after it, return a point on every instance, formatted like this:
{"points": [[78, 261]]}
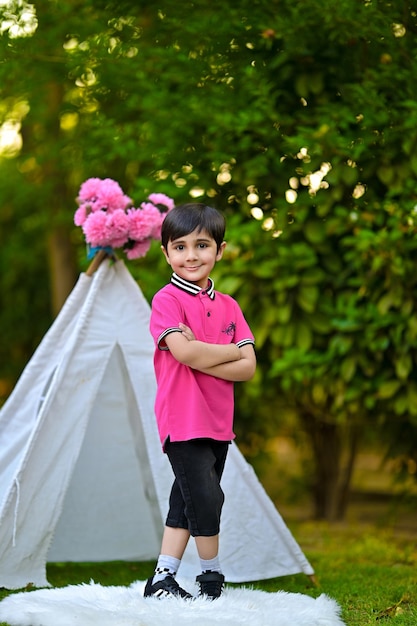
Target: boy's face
{"points": [[193, 256]]}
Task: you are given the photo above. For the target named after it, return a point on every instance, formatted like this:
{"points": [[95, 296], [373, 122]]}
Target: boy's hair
{"points": [[185, 218]]}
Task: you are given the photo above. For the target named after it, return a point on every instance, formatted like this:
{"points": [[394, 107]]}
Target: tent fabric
{"points": [[82, 474]]}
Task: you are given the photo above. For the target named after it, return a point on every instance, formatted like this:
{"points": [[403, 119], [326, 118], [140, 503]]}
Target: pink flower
{"points": [[80, 215], [112, 197], [156, 233], [157, 217], [139, 249], [89, 190], [143, 221], [162, 199], [103, 194], [108, 219], [117, 228], [94, 229]]}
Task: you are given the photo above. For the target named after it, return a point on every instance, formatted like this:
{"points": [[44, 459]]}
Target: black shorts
{"points": [[196, 498]]}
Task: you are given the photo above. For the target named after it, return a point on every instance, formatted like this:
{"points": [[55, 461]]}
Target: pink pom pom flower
{"points": [[109, 220], [80, 215], [160, 199], [139, 249], [117, 228], [94, 229], [103, 194]]}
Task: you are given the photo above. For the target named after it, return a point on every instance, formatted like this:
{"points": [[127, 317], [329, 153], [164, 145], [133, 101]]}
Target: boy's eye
{"points": [[202, 245]]}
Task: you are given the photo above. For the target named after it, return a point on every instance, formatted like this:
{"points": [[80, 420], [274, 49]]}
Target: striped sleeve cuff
{"points": [[245, 342], [161, 339]]}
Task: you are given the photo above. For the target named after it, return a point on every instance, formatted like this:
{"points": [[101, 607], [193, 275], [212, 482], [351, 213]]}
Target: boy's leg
{"points": [[198, 466], [175, 537], [163, 583], [207, 547], [211, 580], [174, 542]]}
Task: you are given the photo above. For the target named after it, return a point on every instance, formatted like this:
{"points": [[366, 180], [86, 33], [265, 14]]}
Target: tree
{"points": [[341, 344], [299, 123]]}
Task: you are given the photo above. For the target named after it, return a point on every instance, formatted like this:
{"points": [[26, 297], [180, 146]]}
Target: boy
{"points": [[203, 344]]}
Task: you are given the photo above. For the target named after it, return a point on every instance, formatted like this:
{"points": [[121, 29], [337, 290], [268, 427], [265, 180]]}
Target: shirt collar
{"points": [[192, 288]]}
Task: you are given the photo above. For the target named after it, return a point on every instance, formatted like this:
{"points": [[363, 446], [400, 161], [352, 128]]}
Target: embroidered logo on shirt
{"points": [[230, 329]]}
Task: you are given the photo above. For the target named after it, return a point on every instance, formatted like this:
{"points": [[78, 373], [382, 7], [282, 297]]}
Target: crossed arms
{"points": [[226, 361]]}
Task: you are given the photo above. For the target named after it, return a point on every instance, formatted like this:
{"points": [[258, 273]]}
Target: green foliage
{"points": [[307, 113], [24, 299], [339, 266]]}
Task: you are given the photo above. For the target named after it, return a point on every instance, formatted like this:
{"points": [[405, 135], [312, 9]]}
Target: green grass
{"points": [[370, 571]]}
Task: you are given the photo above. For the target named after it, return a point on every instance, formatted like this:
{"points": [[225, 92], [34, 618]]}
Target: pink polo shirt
{"points": [[190, 404]]}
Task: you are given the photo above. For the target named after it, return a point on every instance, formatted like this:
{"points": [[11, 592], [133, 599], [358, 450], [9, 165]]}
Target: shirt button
{"points": [[208, 314]]}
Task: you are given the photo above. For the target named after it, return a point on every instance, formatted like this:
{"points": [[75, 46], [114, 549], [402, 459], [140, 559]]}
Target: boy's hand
{"points": [[187, 332]]}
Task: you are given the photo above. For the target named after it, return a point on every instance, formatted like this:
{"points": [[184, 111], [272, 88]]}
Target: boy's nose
{"points": [[191, 253]]}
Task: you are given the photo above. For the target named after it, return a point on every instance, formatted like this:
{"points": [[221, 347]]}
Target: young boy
{"points": [[203, 344]]}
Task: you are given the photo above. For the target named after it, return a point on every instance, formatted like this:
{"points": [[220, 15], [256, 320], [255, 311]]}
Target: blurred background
{"points": [[298, 120]]}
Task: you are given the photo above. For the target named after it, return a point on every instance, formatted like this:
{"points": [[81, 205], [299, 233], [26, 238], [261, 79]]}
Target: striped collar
{"points": [[192, 288]]}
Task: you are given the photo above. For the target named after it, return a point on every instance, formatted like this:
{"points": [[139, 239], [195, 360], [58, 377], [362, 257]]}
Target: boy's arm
{"points": [[236, 371], [200, 355]]}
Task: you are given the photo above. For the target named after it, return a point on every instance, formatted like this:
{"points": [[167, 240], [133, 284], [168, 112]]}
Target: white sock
{"points": [[166, 566], [211, 565]]}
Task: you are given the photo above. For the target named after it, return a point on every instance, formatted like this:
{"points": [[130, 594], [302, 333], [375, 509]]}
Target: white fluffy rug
{"points": [[93, 604]]}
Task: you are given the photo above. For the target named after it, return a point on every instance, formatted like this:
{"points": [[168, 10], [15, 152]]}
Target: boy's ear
{"points": [[220, 251], [166, 255]]}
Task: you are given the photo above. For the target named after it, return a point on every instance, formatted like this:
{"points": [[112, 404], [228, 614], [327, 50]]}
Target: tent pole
{"points": [[95, 263]]}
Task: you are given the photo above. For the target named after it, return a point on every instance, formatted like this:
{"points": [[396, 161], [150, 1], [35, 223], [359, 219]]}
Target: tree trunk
{"points": [[334, 449], [63, 271]]}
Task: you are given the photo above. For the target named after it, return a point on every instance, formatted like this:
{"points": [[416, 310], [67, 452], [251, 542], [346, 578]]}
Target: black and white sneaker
{"points": [[211, 585], [168, 587]]}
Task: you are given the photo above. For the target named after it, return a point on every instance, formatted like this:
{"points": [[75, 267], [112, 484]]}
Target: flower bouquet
{"points": [[109, 220]]}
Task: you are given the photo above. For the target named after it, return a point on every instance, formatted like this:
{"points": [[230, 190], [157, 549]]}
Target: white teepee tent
{"points": [[82, 474]]}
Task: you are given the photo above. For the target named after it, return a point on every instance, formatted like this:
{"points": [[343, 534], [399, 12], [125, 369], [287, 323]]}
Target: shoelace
{"points": [[212, 589], [211, 585], [172, 587]]}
